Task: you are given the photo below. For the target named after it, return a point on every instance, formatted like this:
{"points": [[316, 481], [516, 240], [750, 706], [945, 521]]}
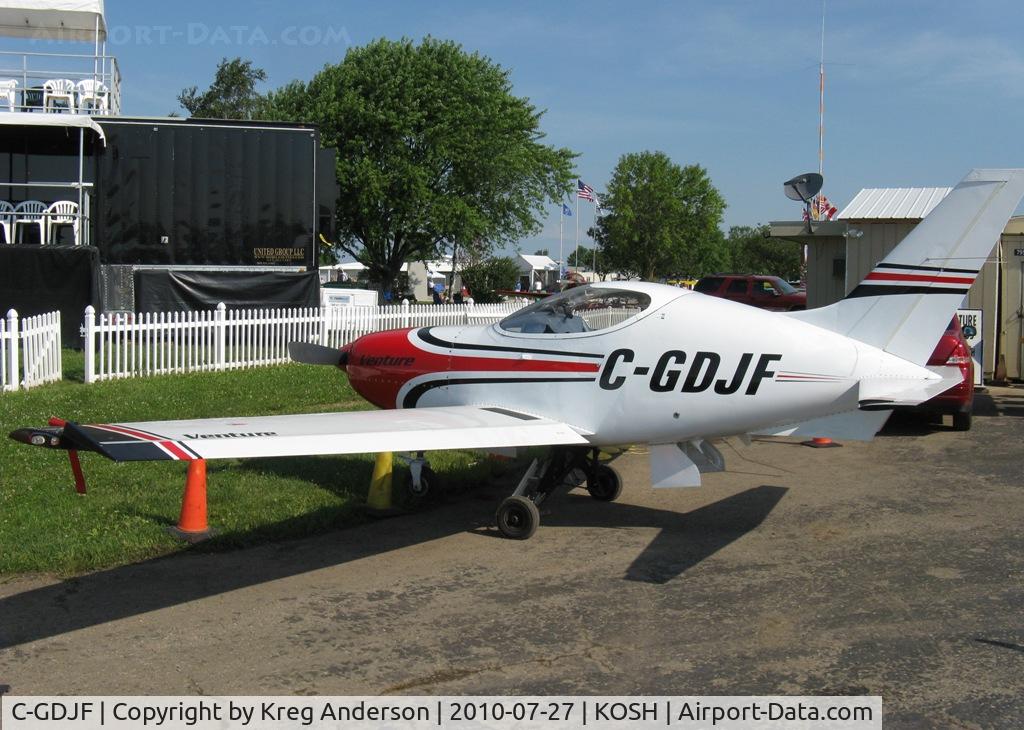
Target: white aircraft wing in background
{"points": [[419, 429]]}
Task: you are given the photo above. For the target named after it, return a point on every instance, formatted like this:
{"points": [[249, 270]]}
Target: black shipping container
{"points": [[210, 193], [233, 208]]}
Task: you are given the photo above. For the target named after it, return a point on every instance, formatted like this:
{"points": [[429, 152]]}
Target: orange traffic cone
{"points": [[192, 525], [821, 442]]}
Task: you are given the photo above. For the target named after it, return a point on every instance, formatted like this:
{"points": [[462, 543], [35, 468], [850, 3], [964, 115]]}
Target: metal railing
{"points": [[32, 70], [82, 215]]}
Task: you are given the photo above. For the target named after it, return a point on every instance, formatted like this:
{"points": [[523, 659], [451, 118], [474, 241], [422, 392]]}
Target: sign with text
{"points": [[970, 323]]}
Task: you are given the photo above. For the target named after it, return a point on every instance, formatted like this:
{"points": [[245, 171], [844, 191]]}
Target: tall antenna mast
{"points": [[815, 212], [821, 97]]}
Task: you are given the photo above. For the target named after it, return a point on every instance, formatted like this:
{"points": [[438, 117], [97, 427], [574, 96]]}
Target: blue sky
{"points": [[916, 92]]}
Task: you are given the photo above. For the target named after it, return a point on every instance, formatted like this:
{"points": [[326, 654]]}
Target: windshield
{"points": [[783, 286], [583, 309]]}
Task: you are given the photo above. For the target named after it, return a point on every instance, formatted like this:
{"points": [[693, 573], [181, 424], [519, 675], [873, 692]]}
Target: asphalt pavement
{"points": [[892, 567]]}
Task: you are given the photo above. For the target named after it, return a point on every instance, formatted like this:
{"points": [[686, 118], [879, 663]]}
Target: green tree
{"points": [[232, 95], [580, 257], [660, 219], [752, 251], [433, 148], [587, 258], [484, 278]]}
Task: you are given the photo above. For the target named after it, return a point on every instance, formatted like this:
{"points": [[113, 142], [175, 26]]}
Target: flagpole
{"points": [[576, 254], [561, 225]]}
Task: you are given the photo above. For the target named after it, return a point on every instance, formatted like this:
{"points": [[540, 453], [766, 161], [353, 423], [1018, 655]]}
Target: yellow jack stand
{"points": [[379, 502]]}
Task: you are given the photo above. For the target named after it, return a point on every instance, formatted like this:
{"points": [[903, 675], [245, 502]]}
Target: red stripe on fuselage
{"points": [[879, 276], [379, 364]]}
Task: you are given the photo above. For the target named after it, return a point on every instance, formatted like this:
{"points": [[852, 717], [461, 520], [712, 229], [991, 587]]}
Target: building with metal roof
{"points": [[892, 204]]}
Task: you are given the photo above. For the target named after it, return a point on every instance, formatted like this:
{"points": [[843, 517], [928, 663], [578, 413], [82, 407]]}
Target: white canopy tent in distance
{"points": [[54, 20]]}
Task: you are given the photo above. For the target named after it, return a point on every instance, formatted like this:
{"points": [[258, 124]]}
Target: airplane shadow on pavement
{"points": [[685, 540]]}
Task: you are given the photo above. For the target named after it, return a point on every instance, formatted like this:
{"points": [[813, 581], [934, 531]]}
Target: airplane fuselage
{"points": [[688, 366]]}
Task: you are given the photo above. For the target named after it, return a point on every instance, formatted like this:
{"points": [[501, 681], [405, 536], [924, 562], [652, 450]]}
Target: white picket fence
{"points": [[132, 345], [29, 350]]}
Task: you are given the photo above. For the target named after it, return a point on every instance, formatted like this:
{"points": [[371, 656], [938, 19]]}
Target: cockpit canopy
{"points": [[583, 309]]}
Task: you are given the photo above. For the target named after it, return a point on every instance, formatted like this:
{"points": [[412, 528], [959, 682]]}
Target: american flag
{"points": [[584, 191]]}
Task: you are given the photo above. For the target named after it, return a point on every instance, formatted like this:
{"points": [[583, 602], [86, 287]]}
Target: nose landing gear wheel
{"points": [[604, 483], [416, 494], [517, 518]]}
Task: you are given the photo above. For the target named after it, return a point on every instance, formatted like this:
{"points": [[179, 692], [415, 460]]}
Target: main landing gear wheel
{"points": [[604, 483], [518, 518], [962, 421], [564, 468]]}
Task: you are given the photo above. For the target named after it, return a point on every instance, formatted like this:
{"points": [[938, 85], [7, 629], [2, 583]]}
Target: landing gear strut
{"points": [[518, 516]]}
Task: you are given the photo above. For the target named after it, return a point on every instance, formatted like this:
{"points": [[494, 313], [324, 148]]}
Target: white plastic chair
{"points": [[30, 213], [6, 220], [56, 90], [93, 94], [62, 213], [9, 93]]}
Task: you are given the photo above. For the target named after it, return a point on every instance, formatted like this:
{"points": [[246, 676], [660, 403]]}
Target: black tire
{"points": [[604, 483], [962, 421], [517, 518], [428, 489]]}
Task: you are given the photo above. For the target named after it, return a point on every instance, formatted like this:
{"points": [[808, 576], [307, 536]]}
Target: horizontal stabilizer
{"points": [[860, 425], [880, 393]]}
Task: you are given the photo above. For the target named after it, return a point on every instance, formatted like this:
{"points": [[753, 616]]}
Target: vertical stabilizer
{"points": [[904, 305]]}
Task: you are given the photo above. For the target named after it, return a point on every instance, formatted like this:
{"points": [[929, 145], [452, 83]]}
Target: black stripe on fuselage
{"points": [[417, 392], [882, 290], [425, 335], [938, 269]]}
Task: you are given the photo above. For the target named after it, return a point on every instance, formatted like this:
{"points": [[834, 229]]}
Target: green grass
{"points": [[46, 527]]}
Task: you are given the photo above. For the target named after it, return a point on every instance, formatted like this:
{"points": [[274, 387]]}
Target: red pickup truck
{"points": [[766, 292]]}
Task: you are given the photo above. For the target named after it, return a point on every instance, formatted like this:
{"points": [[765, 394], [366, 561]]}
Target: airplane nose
{"points": [[381, 363]]}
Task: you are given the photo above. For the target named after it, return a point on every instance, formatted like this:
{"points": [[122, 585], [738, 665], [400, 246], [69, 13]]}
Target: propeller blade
{"points": [[312, 354]]}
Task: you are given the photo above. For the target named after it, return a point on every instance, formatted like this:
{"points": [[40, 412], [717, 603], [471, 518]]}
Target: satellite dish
{"points": [[803, 187]]}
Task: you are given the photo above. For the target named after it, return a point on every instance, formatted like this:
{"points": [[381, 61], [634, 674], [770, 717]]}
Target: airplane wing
{"points": [[416, 429]]}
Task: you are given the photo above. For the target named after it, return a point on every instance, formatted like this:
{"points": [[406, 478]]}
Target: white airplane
{"points": [[624, 363]]}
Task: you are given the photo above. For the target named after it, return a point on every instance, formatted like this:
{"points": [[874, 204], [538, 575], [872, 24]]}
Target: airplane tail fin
{"points": [[905, 304]]}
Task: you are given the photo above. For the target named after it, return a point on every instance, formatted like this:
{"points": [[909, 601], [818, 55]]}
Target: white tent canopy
{"points": [[60, 20], [21, 119]]}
